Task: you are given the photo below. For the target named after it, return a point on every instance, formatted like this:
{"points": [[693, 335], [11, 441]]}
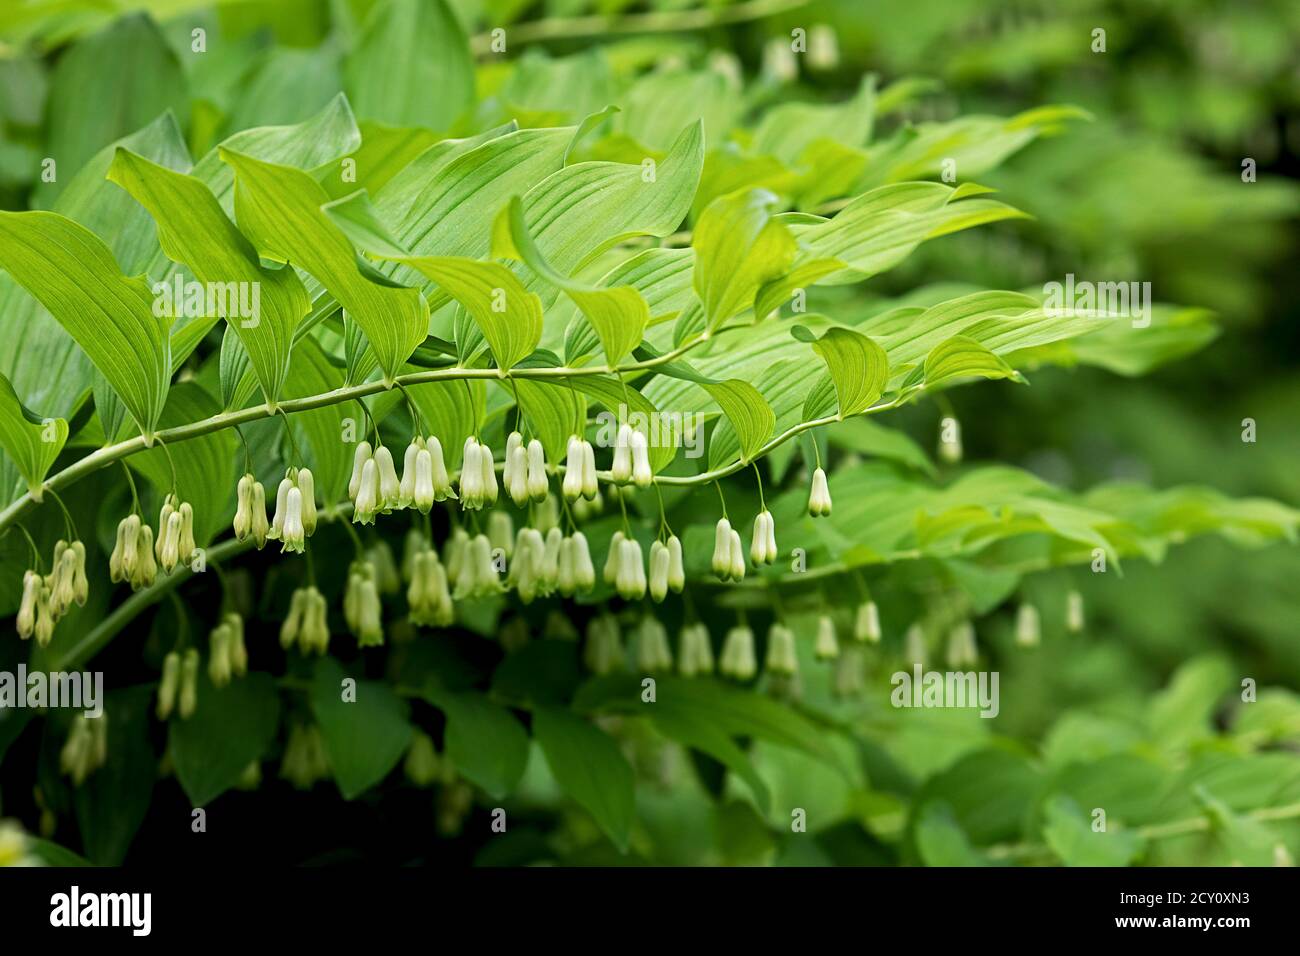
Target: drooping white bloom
{"points": [[516, 481], [819, 499], [441, 481], [914, 649], [390, 489], [26, 622], [695, 651], [514, 441], [584, 572], [621, 470], [631, 580], [866, 625], [501, 532], [359, 459], [406, 496], [549, 569], [243, 523], [471, 475], [489, 468], [737, 563], [424, 494], [641, 473], [307, 485], [722, 549], [571, 485], [659, 561], [293, 535], [538, 483], [367, 499], [827, 646], [169, 553], [610, 573], [962, 651], [762, 549], [782, 659], [1074, 620], [604, 649], [281, 504], [652, 651], [676, 569], [590, 486], [1028, 631], [738, 659], [950, 450]]}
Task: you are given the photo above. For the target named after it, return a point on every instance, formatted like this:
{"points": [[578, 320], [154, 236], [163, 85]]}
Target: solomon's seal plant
{"points": [[575, 335]]}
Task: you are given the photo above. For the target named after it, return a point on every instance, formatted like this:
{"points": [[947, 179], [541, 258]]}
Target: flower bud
{"points": [[1028, 632], [510, 467], [961, 646], [168, 684], [1074, 621], [243, 508], [188, 699], [950, 440], [517, 481], [571, 485], [738, 659], [260, 527], [406, 488], [610, 573], [737, 569], [291, 627], [164, 519], [27, 607], [390, 489], [219, 656], [367, 498], [604, 649], [292, 534], [630, 580], [866, 625], [621, 470], [914, 646], [819, 499], [584, 572], [307, 485], [827, 646], [438, 474], [145, 570], [315, 635], [281, 507], [676, 569], [652, 651], [539, 485], [489, 475], [722, 549], [659, 560], [169, 553], [185, 542], [762, 549], [359, 458], [782, 658], [370, 628], [471, 475], [45, 616], [425, 494], [695, 651], [237, 648], [549, 569], [641, 473]]}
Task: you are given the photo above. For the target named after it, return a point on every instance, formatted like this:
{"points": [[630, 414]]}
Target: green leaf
{"points": [[364, 739], [194, 231], [739, 248], [32, 444], [107, 85], [279, 209], [411, 65], [74, 275], [748, 413], [231, 727], [789, 130], [590, 768], [619, 315], [509, 316], [484, 740], [1068, 832], [858, 366], [961, 357], [940, 840]]}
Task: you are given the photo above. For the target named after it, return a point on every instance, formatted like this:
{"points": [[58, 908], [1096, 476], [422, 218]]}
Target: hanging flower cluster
{"points": [[179, 687], [306, 624], [47, 598], [227, 654], [86, 749]]}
